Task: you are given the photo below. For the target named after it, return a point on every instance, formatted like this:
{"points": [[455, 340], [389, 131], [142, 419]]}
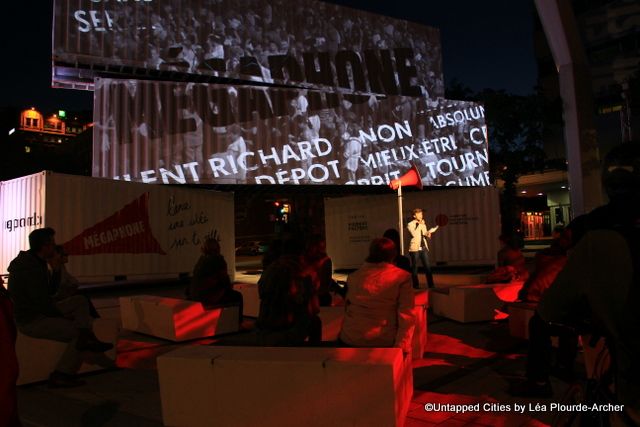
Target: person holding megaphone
{"points": [[419, 246]]}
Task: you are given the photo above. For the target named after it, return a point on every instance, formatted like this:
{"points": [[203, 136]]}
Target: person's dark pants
{"points": [[325, 299], [315, 330], [539, 358], [424, 258]]}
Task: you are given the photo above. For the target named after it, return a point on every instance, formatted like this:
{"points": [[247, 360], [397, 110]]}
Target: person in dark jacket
{"points": [[288, 303], [63, 284], [210, 283], [38, 315], [320, 268]]}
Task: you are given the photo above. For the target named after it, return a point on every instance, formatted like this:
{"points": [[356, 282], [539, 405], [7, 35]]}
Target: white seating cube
{"points": [[284, 386], [250, 298], [176, 319], [473, 303], [37, 357]]}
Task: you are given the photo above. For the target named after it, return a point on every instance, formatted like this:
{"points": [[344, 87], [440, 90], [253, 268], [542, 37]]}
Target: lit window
{"points": [[27, 149]]}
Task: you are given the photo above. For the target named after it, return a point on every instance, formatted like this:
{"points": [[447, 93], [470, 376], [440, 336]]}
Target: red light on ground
{"points": [[443, 344]]}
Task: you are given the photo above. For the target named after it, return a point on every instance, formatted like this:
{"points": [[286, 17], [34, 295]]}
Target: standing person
{"points": [[236, 148], [419, 246], [210, 283], [352, 151], [187, 145], [379, 302], [38, 315]]}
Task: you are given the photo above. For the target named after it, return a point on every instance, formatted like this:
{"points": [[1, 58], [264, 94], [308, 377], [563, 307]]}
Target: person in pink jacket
{"points": [[379, 302]]}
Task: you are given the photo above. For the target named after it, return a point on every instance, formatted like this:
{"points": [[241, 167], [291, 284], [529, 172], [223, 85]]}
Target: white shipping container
{"points": [[116, 229], [469, 220]]}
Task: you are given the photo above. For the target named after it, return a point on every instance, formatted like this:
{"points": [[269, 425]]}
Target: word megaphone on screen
{"points": [[412, 177]]}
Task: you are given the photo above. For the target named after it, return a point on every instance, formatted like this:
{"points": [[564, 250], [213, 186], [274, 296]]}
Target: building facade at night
{"points": [[35, 141], [609, 39]]}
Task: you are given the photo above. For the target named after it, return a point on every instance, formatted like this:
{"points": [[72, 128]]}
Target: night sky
{"points": [[485, 45]]}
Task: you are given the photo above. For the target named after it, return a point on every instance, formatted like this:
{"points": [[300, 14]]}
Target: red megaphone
{"points": [[412, 177]]}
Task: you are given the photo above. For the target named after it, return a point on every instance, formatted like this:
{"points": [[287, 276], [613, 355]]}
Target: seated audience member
{"points": [[210, 283], [401, 261], [288, 303], [321, 269], [548, 263], [38, 315], [9, 365], [379, 303], [599, 286], [63, 284], [511, 263]]}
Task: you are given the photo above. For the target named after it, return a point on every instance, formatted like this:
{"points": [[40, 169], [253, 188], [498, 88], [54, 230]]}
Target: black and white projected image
{"points": [[304, 42], [175, 132]]}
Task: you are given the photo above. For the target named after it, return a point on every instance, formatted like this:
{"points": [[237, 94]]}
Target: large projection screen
{"points": [[176, 132], [304, 43]]}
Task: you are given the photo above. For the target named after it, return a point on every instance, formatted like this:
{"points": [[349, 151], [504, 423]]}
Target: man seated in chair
{"points": [[39, 315]]}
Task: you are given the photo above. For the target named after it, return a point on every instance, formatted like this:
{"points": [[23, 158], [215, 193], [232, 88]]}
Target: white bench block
{"points": [[284, 386], [38, 357], [473, 303], [250, 298], [176, 319], [449, 280], [519, 315]]}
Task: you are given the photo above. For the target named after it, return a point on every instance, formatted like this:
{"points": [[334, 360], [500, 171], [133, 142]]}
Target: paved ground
{"points": [[465, 364]]}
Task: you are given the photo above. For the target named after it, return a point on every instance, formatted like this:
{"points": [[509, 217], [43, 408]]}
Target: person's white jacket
{"points": [[417, 231], [379, 307]]}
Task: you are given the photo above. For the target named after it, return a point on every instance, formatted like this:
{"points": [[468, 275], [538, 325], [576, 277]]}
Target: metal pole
{"points": [[400, 221]]}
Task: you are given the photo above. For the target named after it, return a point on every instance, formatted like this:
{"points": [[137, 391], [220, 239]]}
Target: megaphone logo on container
{"points": [[125, 232]]}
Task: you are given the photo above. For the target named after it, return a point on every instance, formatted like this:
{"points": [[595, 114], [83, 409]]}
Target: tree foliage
{"points": [[517, 126]]}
